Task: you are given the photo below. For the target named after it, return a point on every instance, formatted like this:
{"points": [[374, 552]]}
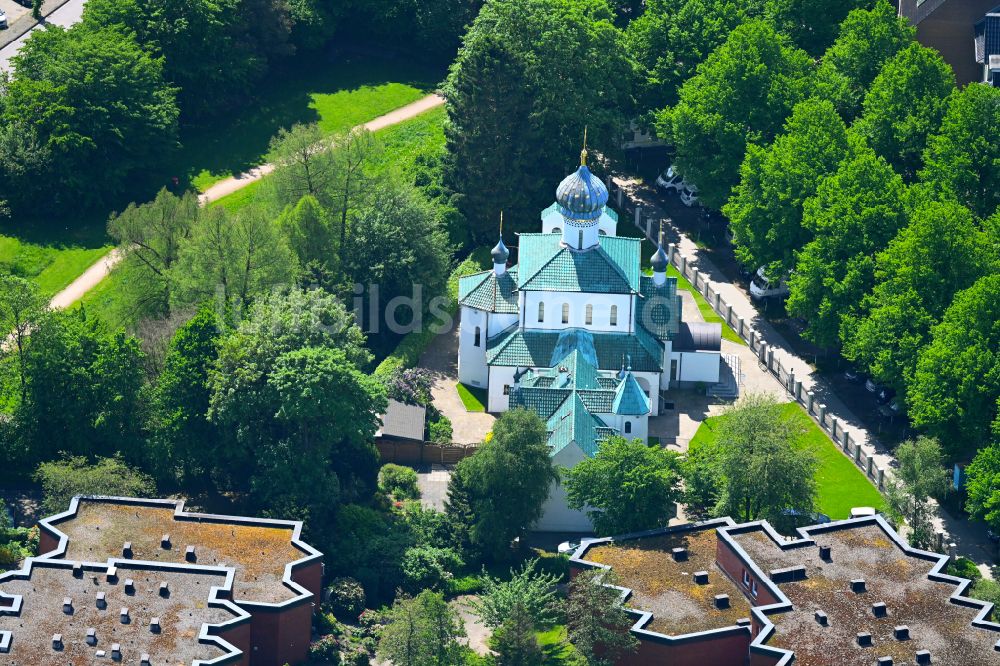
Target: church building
{"points": [[577, 332]]}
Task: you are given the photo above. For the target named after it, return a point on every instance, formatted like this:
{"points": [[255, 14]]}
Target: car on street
{"points": [[873, 386], [892, 409], [689, 195], [3, 20], [885, 395], [670, 180], [763, 288], [854, 375]]}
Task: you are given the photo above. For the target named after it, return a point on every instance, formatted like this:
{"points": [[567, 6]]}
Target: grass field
{"points": [[336, 95], [473, 398], [706, 310], [556, 648], [840, 485], [51, 267]]}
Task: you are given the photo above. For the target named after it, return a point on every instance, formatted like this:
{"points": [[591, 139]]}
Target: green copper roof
{"points": [[573, 423], [489, 292], [630, 399], [659, 308], [610, 268], [535, 348]]}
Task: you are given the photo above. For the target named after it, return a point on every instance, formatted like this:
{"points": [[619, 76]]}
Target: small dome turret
{"points": [[500, 253], [659, 262], [581, 195]]}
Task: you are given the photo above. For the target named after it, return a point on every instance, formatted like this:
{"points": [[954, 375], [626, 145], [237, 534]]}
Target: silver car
{"points": [[3, 20]]}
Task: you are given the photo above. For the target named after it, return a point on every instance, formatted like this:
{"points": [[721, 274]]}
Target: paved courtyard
{"points": [[441, 358]]}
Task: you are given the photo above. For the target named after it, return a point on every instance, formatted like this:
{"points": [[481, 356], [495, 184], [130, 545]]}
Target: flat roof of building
{"points": [[33, 611], [666, 588], [916, 596], [260, 551]]}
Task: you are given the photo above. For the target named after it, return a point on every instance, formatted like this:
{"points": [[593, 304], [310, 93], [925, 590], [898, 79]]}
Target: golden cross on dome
{"points": [[583, 153]]}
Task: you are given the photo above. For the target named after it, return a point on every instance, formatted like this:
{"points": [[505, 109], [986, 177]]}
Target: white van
{"points": [[762, 288]]}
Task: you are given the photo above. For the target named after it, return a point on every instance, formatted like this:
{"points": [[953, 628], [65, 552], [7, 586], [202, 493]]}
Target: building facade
{"points": [[577, 332]]}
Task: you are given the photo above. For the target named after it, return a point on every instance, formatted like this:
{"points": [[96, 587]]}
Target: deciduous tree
{"points": [[812, 24], [530, 591], [63, 479], [422, 631], [920, 477], [21, 309], [628, 486], [983, 486], [597, 624]]}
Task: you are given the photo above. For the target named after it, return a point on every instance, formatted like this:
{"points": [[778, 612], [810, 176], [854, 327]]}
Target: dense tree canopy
{"points": [[62, 480], [551, 68], [963, 158], [854, 215], [983, 486], [627, 487], [867, 39], [765, 211], [123, 120], [812, 24], [939, 253], [920, 477], [955, 389], [741, 95], [904, 105]]}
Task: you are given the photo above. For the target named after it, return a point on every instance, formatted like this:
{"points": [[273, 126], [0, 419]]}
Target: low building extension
{"points": [[143, 582], [848, 593]]}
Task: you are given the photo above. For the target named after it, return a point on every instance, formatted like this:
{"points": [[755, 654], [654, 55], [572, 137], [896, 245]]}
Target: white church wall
{"points": [[607, 226], [501, 322], [556, 514], [700, 366], [501, 379], [472, 369], [601, 305], [649, 381]]}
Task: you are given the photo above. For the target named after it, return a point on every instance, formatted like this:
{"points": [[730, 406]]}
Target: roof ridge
{"points": [[542, 266]]}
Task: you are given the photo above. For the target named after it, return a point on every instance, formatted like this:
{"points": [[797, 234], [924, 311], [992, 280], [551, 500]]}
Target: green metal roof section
{"points": [[572, 422], [490, 292], [658, 310], [611, 268], [535, 348], [630, 399]]}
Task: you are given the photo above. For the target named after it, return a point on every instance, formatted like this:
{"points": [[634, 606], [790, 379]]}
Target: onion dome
{"points": [[659, 262], [500, 253], [581, 195]]}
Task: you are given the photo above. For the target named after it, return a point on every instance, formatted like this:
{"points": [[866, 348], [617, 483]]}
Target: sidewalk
{"points": [[970, 539]]}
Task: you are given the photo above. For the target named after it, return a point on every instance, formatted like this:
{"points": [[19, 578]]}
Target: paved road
{"points": [[93, 275], [65, 16]]}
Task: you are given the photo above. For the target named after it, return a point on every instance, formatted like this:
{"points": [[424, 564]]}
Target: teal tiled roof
{"points": [[535, 348], [611, 268], [630, 399], [658, 310], [489, 292], [573, 423]]}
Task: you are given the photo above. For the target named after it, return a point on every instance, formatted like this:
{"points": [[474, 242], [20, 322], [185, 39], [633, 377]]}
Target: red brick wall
{"points": [[720, 651], [46, 542], [763, 660], [310, 577], [239, 636], [733, 565], [281, 637]]}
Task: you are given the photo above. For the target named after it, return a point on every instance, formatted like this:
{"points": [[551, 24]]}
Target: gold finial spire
{"points": [[501, 225], [583, 153], [660, 235]]}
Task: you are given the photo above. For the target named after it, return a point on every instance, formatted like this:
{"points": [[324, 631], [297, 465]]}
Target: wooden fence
{"points": [[421, 453]]}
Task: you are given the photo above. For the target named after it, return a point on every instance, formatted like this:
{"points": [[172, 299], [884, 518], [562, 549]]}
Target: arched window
{"points": [[614, 315], [590, 314], [628, 427], [557, 230], [565, 313], [541, 311], [581, 239], [478, 338]]}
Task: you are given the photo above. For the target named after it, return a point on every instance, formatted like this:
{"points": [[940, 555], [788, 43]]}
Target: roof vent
{"points": [[879, 609], [858, 585], [124, 615], [57, 643], [864, 639], [116, 651], [129, 586], [190, 555], [824, 553], [127, 550], [701, 577], [923, 657], [164, 590], [67, 606], [902, 633], [822, 619], [679, 554], [165, 542], [722, 601], [91, 636], [884, 661], [112, 574], [102, 602], [154, 625], [144, 660], [77, 570]]}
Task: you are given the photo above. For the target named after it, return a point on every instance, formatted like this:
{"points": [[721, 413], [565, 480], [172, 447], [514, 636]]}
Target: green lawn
{"points": [[840, 484], [104, 301], [51, 267], [337, 95], [557, 650], [706, 310], [473, 398]]}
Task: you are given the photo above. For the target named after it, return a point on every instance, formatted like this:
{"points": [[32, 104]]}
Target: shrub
{"points": [[357, 657], [963, 567], [347, 599], [326, 623], [327, 650], [441, 430], [429, 567], [987, 590], [398, 481]]}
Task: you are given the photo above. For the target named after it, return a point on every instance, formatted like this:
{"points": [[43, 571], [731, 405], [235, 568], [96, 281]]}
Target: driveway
{"points": [[65, 16], [441, 358]]}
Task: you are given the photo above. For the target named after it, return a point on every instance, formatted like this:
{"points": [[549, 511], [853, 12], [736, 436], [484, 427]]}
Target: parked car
{"points": [[24, 3], [3, 20], [873, 386], [892, 409], [854, 375], [670, 180], [762, 287], [885, 395], [689, 195]]}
